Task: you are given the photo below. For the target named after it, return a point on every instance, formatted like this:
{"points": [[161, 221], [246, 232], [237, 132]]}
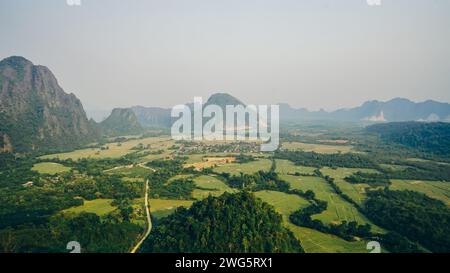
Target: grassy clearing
{"points": [[50, 168], [114, 149], [211, 182], [318, 148], [195, 158], [434, 189], [314, 241], [97, 206], [247, 168], [283, 203], [161, 207], [338, 209], [209, 162], [179, 176], [286, 166], [131, 171], [210, 186], [392, 167]]}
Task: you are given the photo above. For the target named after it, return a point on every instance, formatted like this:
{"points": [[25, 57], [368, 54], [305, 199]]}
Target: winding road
{"points": [[149, 221]]}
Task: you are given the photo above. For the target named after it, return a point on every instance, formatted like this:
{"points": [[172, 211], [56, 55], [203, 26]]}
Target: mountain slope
{"points": [[122, 121], [35, 112], [152, 117]]}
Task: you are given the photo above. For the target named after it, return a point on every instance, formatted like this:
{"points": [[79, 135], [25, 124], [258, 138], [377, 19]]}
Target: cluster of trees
{"points": [[173, 166], [258, 181], [423, 170], [176, 189], [159, 182], [397, 243], [14, 171], [312, 159], [29, 214], [414, 215], [372, 179], [231, 223], [95, 234], [242, 158], [111, 186], [32, 205]]}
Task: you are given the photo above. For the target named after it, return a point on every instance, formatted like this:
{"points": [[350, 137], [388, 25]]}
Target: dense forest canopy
{"points": [[432, 137], [233, 223], [414, 215]]}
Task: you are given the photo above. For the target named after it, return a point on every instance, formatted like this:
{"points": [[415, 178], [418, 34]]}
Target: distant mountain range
{"points": [[36, 114], [397, 109]]}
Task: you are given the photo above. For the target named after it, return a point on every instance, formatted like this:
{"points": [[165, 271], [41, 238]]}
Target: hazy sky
{"points": [[311, 53]]}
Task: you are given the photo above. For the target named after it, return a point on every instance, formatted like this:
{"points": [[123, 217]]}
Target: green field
{"points": [[115, 149], [135, 171], [338, 209], [288, 167], [179, 176], [247, 168], [50, 168], [283, 203], [357, 192], [318, 148], [434, 189], [314, 241], [210, 186], [97, 206], [311, 240], [161, 207]]}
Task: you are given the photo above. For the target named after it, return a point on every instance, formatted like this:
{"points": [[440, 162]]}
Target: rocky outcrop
{"points": [[35, 112]]}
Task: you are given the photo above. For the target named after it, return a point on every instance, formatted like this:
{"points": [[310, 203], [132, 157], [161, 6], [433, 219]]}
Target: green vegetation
{"points": [[318, 148], [314, 241], [230, 223], [434, 189], [414, 215], [283, 203], [98, 206], [317, 160], [288, 167], [95, 234], [372, 179], [431, 137], [50, 168], [209, 185], [338, 209], [163, 207], [327, 201], [246, 168], [356, 192]]}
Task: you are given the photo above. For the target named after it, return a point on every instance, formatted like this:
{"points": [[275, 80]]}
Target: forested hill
{"points": [[233, 223], [432, 137], [122, 121]]}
